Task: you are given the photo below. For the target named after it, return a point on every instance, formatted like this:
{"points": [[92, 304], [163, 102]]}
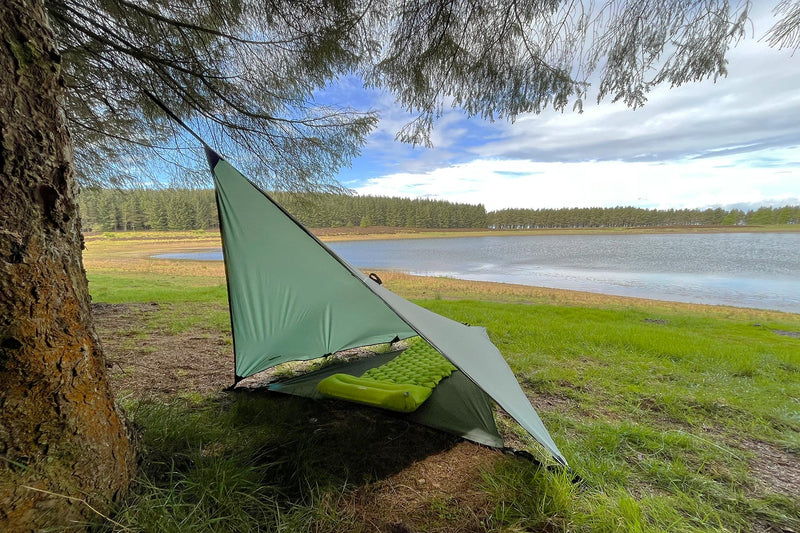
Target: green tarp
{"points": [[292, 298]]}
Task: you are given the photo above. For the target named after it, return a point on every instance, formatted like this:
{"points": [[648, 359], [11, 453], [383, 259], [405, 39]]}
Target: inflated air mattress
{"points": [[402, 384]]}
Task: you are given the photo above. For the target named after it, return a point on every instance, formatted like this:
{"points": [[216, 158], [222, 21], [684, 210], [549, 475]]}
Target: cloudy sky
{"points": [[735, 142]]}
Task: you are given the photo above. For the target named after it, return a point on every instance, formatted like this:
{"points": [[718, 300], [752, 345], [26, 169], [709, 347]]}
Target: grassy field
{"points": [[676, 417]]}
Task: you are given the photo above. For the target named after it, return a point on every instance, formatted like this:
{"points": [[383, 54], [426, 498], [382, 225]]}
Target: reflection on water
{"points": [[759, 270]]}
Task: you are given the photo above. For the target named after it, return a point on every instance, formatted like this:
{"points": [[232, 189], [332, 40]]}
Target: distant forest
{"points": [[186, 209], [189, 209], [629, 217]]}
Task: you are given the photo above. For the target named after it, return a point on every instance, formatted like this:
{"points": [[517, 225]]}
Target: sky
{"points": [[733, 143]]}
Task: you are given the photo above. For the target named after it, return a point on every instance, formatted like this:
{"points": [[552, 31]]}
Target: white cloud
{"points": [[756, 107], [733, 141], [524, 183]]}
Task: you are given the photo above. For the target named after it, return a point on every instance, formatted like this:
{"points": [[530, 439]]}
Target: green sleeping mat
{"points": [[402, 384]]}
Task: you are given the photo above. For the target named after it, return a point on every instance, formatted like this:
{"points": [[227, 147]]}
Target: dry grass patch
{"points": [[133, 253]]}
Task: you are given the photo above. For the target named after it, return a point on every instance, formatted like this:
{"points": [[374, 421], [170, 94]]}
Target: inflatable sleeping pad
{"points": [[402, 384]]}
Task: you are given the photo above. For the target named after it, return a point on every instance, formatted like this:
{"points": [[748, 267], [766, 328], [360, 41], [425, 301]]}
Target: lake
{"points": [[760, 270]]}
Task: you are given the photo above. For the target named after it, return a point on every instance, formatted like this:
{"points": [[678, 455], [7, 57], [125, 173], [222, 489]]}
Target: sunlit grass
{"points": [[136, 287], [654, 412]]}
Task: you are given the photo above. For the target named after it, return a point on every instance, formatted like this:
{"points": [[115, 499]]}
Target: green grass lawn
{"points": [[674, 417], [660, 414]]}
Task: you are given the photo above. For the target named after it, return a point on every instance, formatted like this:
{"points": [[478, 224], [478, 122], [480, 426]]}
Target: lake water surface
{"points": [[760, 270]]}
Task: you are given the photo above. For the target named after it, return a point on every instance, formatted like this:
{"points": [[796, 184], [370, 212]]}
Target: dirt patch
{"points": [[145, 363], [115, 315], [793, 334], [556, 402], [437, 494], [774, 469]]}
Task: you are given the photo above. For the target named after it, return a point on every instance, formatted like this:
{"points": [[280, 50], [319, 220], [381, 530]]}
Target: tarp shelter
{"points": [[293, 299]]}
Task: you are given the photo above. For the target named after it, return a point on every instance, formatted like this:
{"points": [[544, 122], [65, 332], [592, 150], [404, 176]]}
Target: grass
{"points": [[654, 413], [255, 462], [676, 417], [131, 288]]}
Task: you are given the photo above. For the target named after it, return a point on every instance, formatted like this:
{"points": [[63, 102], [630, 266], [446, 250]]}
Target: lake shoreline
{"points": [[755, 269], [389, 233], [109, 254]]}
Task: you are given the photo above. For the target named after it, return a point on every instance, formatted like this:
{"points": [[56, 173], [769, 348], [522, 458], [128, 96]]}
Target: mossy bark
{"points": [[60, 432]]}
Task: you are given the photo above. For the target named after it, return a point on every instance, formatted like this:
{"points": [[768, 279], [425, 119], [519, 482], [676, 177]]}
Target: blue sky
{"points": [[735, 142]]}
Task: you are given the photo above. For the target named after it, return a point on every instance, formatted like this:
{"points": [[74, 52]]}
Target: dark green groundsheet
{"points": [[457, 405]]}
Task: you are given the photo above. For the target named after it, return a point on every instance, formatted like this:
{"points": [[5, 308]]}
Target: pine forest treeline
{"points": [[628, 217], [191, 209], [185, 209]]}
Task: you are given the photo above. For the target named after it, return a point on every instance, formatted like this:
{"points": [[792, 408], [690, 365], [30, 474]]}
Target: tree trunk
{"points": [[62, 442]]}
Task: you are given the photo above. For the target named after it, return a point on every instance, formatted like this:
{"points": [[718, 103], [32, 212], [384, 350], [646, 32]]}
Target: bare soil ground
{"points": [[160, 364], [774, 469], [440, 492]]}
